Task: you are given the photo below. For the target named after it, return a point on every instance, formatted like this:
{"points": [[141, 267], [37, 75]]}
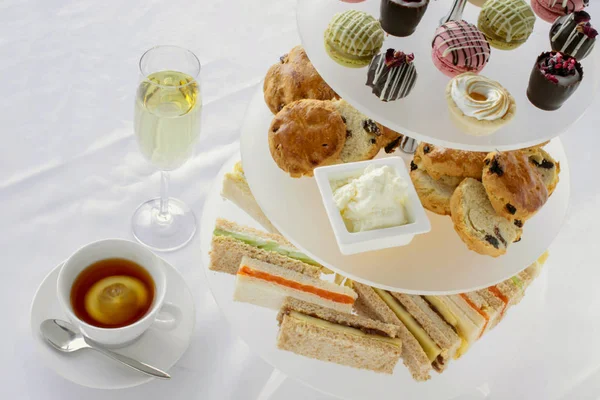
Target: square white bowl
{"points": [[360, 242]]}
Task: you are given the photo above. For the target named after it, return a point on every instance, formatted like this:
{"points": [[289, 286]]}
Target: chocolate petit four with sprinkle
{"points": [[554, 78]]}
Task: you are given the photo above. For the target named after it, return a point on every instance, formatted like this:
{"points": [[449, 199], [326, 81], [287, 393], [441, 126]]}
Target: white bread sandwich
{"points": [[490, 311], [236, 189], [493, 302], [231, 242], [328, 335], [267, 285]]}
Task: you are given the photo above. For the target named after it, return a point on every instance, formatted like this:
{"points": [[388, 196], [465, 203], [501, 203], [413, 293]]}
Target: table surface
{"points": [[71, 173]]}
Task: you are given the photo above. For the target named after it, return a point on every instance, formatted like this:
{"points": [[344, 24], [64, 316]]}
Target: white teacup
{"points": [[117, 248]]}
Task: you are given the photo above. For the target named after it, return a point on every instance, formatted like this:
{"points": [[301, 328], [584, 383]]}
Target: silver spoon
{"points": [[64, 337]]}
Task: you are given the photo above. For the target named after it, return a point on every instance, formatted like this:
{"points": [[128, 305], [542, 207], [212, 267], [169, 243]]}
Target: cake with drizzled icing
{"points": [[392, 75], [459, 47], [506, 24], [574, 35], [550, 10]]}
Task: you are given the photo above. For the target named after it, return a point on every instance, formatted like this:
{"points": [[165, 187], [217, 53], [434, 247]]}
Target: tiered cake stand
{"points": [[490, 364], [434, 263]]}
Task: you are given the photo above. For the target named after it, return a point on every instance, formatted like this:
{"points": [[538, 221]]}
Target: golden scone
{"points": [[306, 134], [391, 139], [515, 188], [364, 137], [294, 78], [434, 194], [439, 161], [477, 223], [537, 146], [547, 166]]}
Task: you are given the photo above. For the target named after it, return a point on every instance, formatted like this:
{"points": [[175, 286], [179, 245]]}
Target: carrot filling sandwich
{"points": [[267, 285]]}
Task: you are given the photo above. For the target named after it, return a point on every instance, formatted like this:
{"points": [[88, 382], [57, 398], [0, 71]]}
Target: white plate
{"points": [[159, 348], [437, 262], [424, 113], [494, 361]]}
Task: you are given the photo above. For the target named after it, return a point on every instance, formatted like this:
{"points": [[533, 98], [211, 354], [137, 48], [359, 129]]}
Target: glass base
{"points": [[164, 233]]}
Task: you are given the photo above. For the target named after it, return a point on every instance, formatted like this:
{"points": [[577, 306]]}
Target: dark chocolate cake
{"points": [[401, 17], [554, 78]]}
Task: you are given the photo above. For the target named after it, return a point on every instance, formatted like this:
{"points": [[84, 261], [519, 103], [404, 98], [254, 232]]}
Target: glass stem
{"points": [[456, 12], [163, 213]]}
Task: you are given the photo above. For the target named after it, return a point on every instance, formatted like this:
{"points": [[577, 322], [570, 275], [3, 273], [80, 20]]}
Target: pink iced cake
{"points": [[459, 47], [549, 10]]}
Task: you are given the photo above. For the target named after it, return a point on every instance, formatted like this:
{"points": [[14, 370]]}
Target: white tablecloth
{"points": [[71, 173]]}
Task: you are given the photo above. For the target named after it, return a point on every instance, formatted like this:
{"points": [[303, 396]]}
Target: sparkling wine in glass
{"points": [[168, 107]]}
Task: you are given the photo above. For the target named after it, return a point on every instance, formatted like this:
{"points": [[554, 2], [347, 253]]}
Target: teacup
{"points": [[118, 248]]}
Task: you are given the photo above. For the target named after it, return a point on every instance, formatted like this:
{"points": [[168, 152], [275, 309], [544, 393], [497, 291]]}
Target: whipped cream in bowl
{"points": [[371, 205], [373, 200]]}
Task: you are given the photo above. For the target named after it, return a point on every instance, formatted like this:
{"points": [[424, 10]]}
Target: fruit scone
{"points": [[306, 134], [439, 161], [364, 137], [548, 167], [434, 194], [294, 78], [514, 186], [437, 171], [477, 223]]}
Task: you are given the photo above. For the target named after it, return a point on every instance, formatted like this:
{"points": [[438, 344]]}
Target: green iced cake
{"points": [[353, 38]]}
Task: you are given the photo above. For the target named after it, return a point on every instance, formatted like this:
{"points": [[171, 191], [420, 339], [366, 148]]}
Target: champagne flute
{"points": [[168, 108]]}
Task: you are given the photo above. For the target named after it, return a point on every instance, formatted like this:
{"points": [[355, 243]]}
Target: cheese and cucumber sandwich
{"points": [[267, 285], [432, 337], [231, 242], [325, 334], [512, 290], [370, 305], [468, 325], [435, 326], [236, 189]]}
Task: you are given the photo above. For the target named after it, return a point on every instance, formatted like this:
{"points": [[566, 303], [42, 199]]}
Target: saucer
{"points": [[159, 348]]}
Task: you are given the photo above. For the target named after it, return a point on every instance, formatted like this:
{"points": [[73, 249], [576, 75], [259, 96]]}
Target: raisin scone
{"points": [[439, 161], [364, 137], [515, 188], [434, 194], [294, 78], [547, 166], [477, 223], [305, 135], [391, 139]]}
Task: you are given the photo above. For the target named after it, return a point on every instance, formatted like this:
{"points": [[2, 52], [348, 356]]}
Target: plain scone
{"points": [[477, 223]]}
